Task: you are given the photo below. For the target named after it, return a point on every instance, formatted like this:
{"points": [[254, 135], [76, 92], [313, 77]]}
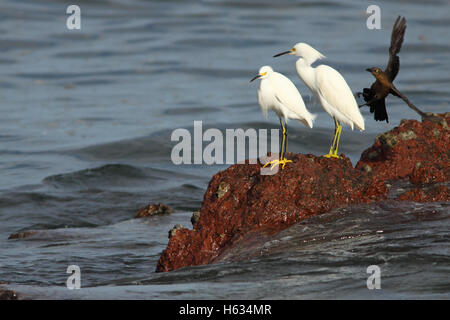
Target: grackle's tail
{"points": [[379, 110]]}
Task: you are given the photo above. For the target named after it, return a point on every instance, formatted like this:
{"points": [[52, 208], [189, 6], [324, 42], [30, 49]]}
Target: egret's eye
{"points": [[293, 49], [263, 74]]}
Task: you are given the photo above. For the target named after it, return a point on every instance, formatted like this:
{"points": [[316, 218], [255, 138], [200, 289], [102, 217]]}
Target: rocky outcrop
{"points": [[416, 151], [240, 201]]}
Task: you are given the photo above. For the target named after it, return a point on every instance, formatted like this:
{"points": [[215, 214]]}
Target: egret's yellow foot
{"points": [[276, 162], [332, 155]]}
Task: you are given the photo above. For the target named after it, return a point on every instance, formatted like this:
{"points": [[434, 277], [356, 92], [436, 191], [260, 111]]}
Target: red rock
{"points": [[240, 199], [241, 203], [413, 145], [433, 194], [429, 172]]}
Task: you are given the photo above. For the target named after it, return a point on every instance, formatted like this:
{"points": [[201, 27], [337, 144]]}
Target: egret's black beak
{"points": [[258, 76], [369, 70], [282, 53]]}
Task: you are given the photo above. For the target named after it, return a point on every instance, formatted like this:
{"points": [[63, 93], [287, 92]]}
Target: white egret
{"points": [[278, 93], [331, 90]]}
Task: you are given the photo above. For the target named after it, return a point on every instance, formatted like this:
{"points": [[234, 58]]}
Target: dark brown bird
{"points": [[375, 95]]}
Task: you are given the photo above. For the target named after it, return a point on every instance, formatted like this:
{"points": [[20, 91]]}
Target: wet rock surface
{"points": [[410, 162], [6, 294], [154, 209], [21, 235]]}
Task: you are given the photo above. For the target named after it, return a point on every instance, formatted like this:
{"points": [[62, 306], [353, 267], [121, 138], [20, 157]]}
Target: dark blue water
{"points": [[85, 142]]}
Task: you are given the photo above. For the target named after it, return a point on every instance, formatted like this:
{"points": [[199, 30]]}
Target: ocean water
{"points": [[85, 131]]}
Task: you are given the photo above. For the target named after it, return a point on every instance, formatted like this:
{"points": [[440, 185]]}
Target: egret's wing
{"points": [[398, 33], [288, 95], [333, 88]]}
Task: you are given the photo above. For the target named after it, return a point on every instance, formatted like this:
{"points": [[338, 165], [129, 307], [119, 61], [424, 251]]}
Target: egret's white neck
{"points": [[306, 73]]}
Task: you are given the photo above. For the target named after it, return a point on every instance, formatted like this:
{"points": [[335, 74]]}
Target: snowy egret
{"points": [[330, 89], [278, 93]]}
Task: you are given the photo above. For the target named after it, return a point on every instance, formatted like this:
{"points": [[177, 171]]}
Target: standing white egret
{"points": [[278, 93], [330, 89]]}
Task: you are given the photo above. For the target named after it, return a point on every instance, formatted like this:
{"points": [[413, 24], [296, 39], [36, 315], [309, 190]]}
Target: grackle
{"points": [[375, 95]]}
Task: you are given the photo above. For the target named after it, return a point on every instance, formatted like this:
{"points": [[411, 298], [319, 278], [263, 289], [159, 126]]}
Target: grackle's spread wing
{"points": [[398, 33], [377, 107], [368, 94]]}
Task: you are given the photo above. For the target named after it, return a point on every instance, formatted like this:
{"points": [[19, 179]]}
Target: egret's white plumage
{"points": [[329, 87], [332, 90], [276, 92]]}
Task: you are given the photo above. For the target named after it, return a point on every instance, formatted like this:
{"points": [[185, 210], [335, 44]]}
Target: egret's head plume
{"points": [[307, 52]]}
